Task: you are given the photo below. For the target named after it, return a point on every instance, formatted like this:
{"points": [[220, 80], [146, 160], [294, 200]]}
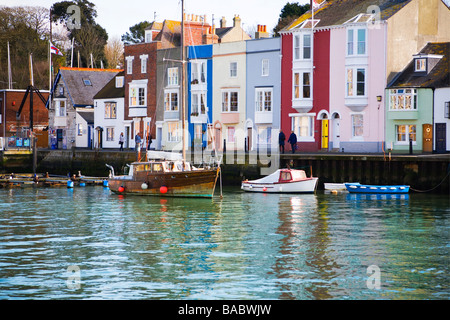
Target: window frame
{"points": [[226, 103], [406, 133], [233, 69], [260, 100]]}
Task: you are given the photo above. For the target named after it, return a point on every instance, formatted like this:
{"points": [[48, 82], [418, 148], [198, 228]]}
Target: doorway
{"points": [[336, 131], [440, 137]]}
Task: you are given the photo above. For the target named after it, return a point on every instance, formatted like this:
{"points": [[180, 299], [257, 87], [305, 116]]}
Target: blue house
{"points": [[263, 92], [200, 99]]}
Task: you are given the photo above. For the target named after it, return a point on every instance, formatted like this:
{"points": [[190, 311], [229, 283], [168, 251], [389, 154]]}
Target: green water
{"points": [[87, 243]]}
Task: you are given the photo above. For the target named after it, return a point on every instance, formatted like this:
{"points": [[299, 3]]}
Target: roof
{"points": [[337, 12], [110, 90], [437, 77], [83, 84]]}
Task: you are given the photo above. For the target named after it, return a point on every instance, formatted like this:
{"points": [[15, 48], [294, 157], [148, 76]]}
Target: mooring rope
{"points": [[434, 187]]}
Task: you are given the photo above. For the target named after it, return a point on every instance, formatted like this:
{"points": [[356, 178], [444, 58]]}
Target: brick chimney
{"points": [[261, 32]]}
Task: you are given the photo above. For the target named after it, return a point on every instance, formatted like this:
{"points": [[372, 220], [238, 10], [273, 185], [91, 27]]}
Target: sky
{"points": [[117, 16]]}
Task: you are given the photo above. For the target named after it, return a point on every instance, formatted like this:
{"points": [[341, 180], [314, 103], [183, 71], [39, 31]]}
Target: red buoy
{"points": [[163, 189], [121, 189], [264, 189]]}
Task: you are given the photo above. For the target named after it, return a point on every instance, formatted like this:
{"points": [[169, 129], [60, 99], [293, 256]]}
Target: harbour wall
{"points": [[421, 172]]}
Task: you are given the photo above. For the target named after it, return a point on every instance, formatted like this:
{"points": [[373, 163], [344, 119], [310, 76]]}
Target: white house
{"points": [[109, 115]]}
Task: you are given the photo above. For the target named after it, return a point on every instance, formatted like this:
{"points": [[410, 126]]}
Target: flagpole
{"points": [[9, 70], [71, 56]]}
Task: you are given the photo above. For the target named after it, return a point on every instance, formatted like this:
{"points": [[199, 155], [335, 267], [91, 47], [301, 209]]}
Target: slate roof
{"points": [[110, 90], [81, 94], [337, 12], [437, 77]]}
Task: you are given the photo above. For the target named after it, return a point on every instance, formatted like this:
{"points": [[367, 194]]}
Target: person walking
{"points": [[149, 141], [293, 141], [137, 141], [281, 139], [121, 141]]}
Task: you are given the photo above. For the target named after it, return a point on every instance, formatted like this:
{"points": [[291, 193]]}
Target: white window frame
{"points": [[196, 102], [60, 112], [299, 46], [355, 134], [129, 60], [261, 100], [168, 103], [172, 77], [173, 131], [407, 134], [420, 65], [353, 93], [265, 67], [354, 43], [233, 69], [144, 59], [199, 71], [226, 100], [109, 133], [109, 107], [300, 85], [302, 122], [400, 99], [136, 91], [304, 47]]}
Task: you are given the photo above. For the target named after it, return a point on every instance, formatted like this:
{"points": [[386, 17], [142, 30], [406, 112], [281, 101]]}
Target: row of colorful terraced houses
{"points": [[347, 77]]}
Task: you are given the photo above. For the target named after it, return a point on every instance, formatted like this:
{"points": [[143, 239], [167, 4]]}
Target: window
{"points": [[87, 82], [231, 131], [198, 104], [357, 125], [403, 99], [172, 132], [306, 46], [404, 133], [263, 100], [264, 135], [80, 129], [119, 82], [265, 67], [233, 69], [138, 96], [303, 126], [356, 86], [144, 59], [171, 101], [230, 101], [110, 110], [198, 72], [296, 47], [421, 65], [198, 132], [172, 77], [356, 42], [447, 110], [60, 108], [129, 64], [110, 134], [305, 85]]}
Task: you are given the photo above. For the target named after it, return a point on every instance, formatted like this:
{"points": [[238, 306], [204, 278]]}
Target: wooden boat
{"points": [[166, 178], [169, 176], [365, 188], [282, 181]]}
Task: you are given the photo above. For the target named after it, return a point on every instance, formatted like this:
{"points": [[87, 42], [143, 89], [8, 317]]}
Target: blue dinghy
{"points": [[366, 188]]}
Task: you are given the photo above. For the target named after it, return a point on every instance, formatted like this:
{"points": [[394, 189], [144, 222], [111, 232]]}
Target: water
{"points": [[86, 243]]}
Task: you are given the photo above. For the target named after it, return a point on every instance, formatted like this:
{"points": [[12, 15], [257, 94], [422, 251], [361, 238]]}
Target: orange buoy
{"points": [[121, 189], [163, 189]]}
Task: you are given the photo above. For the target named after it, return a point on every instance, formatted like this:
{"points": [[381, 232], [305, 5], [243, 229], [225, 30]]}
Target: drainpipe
{"points": [[4, 121]]}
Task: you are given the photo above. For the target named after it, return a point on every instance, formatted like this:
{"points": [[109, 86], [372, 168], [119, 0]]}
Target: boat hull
{"points": [[198, 183], [304, 186], [361, 188]]}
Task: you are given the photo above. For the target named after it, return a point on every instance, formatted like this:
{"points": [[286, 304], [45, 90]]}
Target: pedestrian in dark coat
{"points": [[293, 141], [281, 139]]}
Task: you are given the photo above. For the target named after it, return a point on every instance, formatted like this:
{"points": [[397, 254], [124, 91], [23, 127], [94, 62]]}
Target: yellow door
{"points": [[325, 134]]}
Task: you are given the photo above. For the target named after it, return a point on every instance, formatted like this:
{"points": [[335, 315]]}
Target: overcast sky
{"points": [[117, 16]]}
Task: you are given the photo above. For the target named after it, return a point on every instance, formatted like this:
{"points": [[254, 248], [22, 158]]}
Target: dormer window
{"points": [[421, 65], [87, 82], [119, 82]]}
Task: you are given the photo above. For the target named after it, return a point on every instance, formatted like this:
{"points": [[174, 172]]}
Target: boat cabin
{"points": [[287, 175], [161, 166]]}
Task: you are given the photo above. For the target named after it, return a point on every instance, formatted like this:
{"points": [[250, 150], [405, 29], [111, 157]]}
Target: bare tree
{"points": [[114, 53]]}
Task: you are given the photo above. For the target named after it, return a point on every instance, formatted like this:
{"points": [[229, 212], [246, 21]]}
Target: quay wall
{"points": [[421, 172]]}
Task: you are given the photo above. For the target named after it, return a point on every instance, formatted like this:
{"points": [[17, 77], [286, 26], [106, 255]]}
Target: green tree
{"points": [[136, 34], [90, 37], [289, 13]]}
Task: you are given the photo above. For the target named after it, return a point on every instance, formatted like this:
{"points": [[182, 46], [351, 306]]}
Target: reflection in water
{"points": [[246, 246]]}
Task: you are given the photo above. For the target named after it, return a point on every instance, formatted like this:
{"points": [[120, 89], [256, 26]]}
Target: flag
{"points": [[55, 50], [316, 3]]}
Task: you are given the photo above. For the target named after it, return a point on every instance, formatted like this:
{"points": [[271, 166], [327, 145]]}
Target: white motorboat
{"points": [[282, 181], [332, 186]]}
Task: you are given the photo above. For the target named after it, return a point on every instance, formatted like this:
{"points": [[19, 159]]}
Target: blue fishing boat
{"points": [[366, 188]]}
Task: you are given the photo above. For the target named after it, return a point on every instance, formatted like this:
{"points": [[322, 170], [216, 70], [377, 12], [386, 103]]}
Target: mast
{"points": [[183, 74]]}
